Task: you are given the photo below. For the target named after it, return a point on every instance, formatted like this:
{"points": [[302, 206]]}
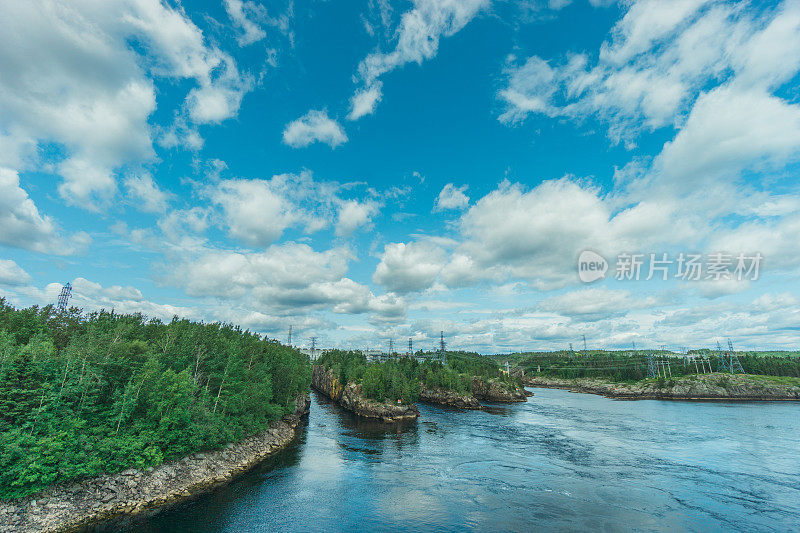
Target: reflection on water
{"points": [[559, 461]]}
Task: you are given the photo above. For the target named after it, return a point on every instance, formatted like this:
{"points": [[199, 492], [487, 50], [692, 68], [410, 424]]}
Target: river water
{"points": [[560, 461]]}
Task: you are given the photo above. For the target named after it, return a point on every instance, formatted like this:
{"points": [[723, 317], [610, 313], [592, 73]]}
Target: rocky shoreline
{"points": [[448, 398], [701, 387], [105, 499], [349, 397], [495, 391]]}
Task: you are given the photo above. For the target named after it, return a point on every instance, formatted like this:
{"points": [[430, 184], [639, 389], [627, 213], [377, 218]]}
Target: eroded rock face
{"points": [[697, 387], [448, 398], [75, 506], [496, 391], [349, 396]]}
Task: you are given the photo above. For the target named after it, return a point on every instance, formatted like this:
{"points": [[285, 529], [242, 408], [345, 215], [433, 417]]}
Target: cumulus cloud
{"points": [[353, 215], [409, 267], [451, 197], [287, 279], [314, 126], [72, 78], [12, 274], [145, 194], [657, 60], [534, 235], [258, 211], [730, 130], [22, 226], [595, 303]]}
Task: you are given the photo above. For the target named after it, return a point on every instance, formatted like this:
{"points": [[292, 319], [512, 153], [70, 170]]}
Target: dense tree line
{"points": [[400, 377], [633, 366], [84, 394]]}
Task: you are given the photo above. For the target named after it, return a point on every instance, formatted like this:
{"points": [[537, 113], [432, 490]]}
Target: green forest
{"points": [[85, 394], [633, 366], [400, 377]]}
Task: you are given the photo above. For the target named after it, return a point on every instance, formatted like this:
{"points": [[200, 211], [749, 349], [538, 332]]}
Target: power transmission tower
{"points": [[442, 348], [410, 346], [313, 347], [289, 341], [722, 365], [652, 368], [63, 298], [584, 345], [391, 347], [734, 364]]}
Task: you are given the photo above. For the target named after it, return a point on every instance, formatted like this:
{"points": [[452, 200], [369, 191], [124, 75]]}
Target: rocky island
{"points": [[350, 397], [493, 390], [448, 398]]}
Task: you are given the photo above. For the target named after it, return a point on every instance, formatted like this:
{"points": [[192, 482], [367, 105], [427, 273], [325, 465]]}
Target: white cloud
{"points": [[364, 101], [12, 274], [593, 304], [287, 279], [145, 194], [409, 267], [22, 226], [730, 130], [253, 212], [258, 211], [658, 59], [418, 36], [532, 235], [353, 215], [312, 127], [219, 97], [72, 78], [452, 197], [240, 13]]}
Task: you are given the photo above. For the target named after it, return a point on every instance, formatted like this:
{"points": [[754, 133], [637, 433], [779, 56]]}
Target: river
{"points": [[560, 461]]}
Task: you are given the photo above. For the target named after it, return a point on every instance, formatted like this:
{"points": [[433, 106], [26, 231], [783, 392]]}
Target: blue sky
{"points": [[374, 170]]}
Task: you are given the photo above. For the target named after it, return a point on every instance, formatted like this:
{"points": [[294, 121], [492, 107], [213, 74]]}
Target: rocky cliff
{"points": [[695, 387], [134, 492], [349, 396], [448, 398], [497, 391]]}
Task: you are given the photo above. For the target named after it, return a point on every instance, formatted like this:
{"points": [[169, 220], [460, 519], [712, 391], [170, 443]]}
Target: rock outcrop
{"points": [[497, 391], [694, 387], [77, 506], [349, 396], [448, 398]]}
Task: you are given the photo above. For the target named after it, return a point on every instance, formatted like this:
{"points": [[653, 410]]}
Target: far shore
{"points": [[698, 387]]}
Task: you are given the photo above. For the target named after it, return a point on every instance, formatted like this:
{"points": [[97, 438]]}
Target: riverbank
{"points": [[132, 493], [448, 398], [496, 391], [349, 397], [734, 387]]}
